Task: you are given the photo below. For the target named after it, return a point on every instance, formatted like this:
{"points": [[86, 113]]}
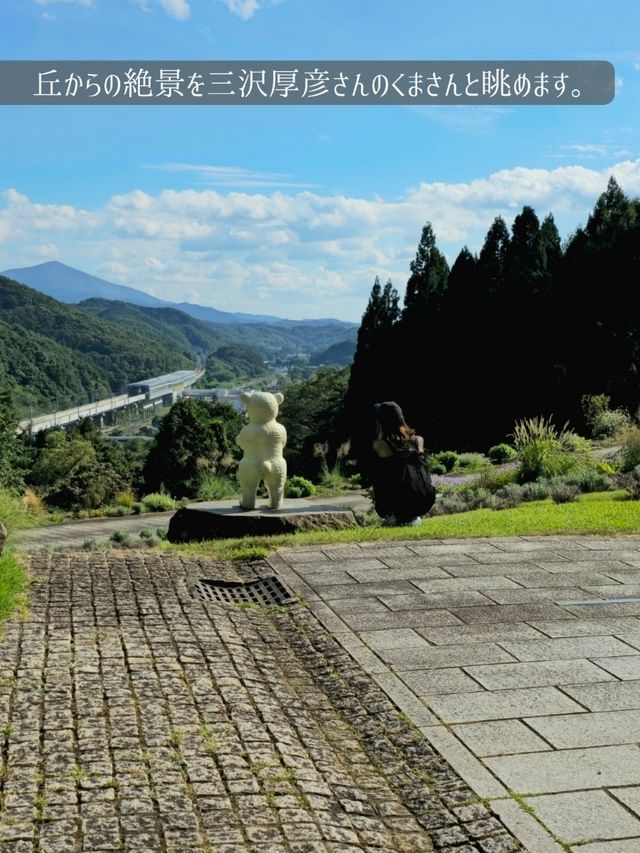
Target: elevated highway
{"points": [[145, 394]]}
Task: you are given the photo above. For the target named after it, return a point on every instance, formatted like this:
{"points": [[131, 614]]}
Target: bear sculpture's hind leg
{"points": [[275, 484], [249, 481]]}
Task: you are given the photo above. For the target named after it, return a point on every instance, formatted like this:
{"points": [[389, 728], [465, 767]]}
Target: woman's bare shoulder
{"points": [[381, 448], [419, 440]]}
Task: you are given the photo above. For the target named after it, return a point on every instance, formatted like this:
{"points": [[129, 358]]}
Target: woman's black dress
{"points": [[401, 483]]}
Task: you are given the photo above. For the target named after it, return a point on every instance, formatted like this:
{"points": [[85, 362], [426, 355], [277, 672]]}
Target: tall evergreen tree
{"points": [[492, 259], [373, 370], [420, 337], [428, 281], [604, 337], [459, 395]]}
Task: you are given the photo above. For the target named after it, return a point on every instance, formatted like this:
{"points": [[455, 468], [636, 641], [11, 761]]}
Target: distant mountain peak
{"points": [[71, 285]]}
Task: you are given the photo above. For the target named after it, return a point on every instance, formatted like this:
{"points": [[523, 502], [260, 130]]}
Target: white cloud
{"points": [[47, 250], [88, 4], [244, 9], [300, 253], [178, 9], [231, 176]]}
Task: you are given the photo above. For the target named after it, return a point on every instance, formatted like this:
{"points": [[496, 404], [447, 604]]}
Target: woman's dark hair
{"points": [[391, 420]]}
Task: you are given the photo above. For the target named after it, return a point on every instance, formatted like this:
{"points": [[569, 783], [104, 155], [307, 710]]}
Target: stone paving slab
{"points": [[569, 770], [625, 668], [585, 815], [605, 728], [614, 696], [565, 649], [589, 627], [136, 717], [529, 723], [500, 737]]}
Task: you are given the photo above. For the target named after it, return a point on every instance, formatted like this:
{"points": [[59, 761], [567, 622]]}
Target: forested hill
{"points": [[72, 349], [193, 335], [37, 370]]}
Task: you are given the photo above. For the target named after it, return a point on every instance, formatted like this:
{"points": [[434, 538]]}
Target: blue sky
{"points": [[294, 210]]}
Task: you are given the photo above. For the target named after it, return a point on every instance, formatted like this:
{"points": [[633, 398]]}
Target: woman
{"points": [[401, 483]]}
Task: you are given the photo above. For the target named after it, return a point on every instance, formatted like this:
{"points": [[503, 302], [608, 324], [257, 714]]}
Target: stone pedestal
{"points": [[226, 520]]}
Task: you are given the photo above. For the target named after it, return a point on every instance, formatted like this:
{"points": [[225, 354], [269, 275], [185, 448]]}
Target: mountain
{"points": [[191, 335], [340, 354], [68, 284], [274, 342], [40, 372], [62, 335]]}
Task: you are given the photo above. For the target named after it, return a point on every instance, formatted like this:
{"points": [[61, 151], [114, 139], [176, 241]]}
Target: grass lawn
{"points": [[604, 513], [13, 579]]}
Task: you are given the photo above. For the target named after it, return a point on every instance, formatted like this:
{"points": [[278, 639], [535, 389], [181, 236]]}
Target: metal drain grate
{"points": [[264, 591]]}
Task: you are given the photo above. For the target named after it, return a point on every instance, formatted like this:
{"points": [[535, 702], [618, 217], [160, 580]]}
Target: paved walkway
{"points": [[519, 659], [135, 716], [453, 695]]}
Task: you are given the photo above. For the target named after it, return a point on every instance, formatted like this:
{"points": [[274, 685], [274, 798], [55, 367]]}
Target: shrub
{"points": [[146, 533], [594, 405], [299, 487], [354, 481], [448, 505], [116, 511], [157, 502], [545, 452], [630, 448], [590, 481], [126, 498], [539, 490], [216, 487], [472, 461], [31, 502], [494, 480], [448, 458], [120, 537], [605, 468], [510, 495], [610, 423], [478, 498], [161, 532], [564, 493], [501, 453], [436, 467], [631, 482]]}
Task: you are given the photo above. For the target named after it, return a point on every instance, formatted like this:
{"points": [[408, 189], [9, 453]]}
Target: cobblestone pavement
{"points": [[519, 660], [135, 717]]}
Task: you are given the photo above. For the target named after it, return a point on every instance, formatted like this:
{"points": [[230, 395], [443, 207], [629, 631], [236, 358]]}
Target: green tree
{"points": [[11, 471], [373, 375], [195, 438], [421, 336], [428, 281], [73, 468], [313, 412]]}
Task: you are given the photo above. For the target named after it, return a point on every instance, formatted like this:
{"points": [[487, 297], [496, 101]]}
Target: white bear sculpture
{"points": [[262, 441]]}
